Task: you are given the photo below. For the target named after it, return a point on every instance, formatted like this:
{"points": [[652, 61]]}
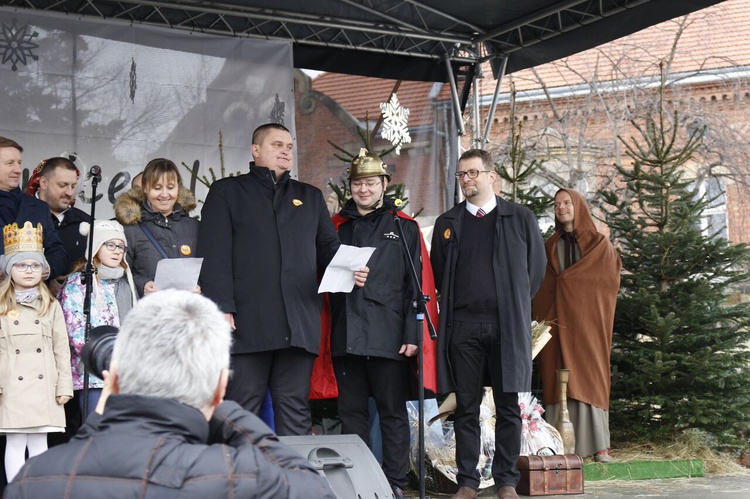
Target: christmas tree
{"points": [[518, 171], [341, 186], [680, 357]]}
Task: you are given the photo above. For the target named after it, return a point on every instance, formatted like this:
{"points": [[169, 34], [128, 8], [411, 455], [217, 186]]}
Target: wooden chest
{"points": [[550, 475]]}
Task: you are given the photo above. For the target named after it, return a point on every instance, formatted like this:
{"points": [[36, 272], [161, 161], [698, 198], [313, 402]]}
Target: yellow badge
{"points": [[13, 314], [186, 250], [447, 234], [296, 202]]}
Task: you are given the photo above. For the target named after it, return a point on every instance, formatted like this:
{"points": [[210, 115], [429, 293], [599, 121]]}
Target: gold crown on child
{"points": [[27, 238]]}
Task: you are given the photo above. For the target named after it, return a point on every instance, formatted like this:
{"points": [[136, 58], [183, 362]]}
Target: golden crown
{"points": [[24, 239]]}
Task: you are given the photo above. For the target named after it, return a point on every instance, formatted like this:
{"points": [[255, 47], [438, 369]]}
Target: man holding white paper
{"points": [[264, 238], [338, 277], [374, 329]]}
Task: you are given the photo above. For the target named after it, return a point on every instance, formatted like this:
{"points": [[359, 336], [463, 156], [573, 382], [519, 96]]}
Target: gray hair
{"points": [[173, 344]]}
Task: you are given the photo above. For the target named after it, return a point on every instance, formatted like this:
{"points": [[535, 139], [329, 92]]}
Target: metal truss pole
{"points": [[491, 114], [454, 95]]}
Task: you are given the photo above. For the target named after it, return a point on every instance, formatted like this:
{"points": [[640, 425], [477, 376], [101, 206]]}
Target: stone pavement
{"points": [[712, 487]]}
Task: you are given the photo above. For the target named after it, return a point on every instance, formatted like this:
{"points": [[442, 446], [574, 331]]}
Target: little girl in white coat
{"points": [[35, 377]]}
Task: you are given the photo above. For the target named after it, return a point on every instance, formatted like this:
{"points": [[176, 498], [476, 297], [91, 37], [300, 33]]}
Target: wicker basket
{"points": [[435, 482]]}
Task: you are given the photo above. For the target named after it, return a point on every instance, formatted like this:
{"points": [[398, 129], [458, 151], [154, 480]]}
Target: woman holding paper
{"points": [[112, 296], [157, 222]]}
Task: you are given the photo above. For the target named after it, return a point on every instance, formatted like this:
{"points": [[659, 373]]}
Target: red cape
{"points": [[323, 381]]}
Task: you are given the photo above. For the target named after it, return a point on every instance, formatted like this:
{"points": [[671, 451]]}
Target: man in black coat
{"points": [[489, 261], [15, 206], [58, 179], [264, 238], [373, 329], [161, 428]]}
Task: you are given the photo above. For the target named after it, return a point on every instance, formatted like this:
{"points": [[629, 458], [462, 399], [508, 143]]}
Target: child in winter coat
{"points": [[35, 377], [112, 296]]}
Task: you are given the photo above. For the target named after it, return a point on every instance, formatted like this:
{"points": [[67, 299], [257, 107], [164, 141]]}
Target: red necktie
{"points": [[480, 213]]}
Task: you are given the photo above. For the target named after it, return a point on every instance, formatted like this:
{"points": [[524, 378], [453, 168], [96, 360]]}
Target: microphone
{"points": [[95, 172]]}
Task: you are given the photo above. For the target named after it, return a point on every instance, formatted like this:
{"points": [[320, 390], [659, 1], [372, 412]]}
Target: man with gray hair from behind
{"points": [[162, 429]]}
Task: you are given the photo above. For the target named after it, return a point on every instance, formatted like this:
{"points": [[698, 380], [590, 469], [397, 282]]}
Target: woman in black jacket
{"points": [[157, 222]]}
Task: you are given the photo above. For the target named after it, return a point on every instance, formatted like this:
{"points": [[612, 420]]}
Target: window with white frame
{"points": [[714, 219]]}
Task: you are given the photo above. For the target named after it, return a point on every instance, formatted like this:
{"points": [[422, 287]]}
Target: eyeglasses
{"points": [[25, 267], [112, 246], [470, 173], [356, 184]]}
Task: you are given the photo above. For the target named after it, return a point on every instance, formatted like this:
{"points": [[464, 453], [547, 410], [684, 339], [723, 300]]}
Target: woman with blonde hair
{"points": [[35, 379]]}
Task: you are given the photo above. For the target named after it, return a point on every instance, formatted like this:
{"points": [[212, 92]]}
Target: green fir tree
{"points": [[680, 358], [340, 187], [518, 172]]}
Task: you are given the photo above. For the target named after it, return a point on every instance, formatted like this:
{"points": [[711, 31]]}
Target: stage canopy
{"points": [[400, 39]]}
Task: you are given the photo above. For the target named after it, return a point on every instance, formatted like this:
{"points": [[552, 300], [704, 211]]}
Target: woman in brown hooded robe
{"points": [[578, 297]]}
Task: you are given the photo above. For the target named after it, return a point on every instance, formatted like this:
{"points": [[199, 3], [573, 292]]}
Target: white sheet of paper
{"points": [[339, 276], [178, 273]]}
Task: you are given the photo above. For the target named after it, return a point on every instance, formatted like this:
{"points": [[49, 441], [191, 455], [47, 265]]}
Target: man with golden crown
{"points": [[15, 206], [373, 328]]}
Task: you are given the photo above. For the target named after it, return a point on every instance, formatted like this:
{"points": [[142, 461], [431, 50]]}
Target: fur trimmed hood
{"points": [[128, 205]]}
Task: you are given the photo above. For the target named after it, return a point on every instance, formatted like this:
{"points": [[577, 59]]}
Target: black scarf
{"points": [[570, 247]]}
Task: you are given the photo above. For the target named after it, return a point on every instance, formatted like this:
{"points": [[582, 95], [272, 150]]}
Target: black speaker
{"points": [[347, 463]]}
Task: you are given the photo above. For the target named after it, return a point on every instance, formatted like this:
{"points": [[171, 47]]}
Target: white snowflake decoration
{"points": [[395, 118]]}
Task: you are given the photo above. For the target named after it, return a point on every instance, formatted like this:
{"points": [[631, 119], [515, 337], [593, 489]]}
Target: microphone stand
{"points": [[87, 277], [420, 306]]}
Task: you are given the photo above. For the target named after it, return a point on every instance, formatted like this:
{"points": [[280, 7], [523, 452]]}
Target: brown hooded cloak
{"points": [[580, 303]]}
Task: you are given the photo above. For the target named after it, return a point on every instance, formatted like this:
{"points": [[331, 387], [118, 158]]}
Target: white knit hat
{"points": [[105, 230]]}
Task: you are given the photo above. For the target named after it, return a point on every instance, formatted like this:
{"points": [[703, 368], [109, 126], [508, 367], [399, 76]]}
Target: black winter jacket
{"points": [[377, 318], [73, 241], [177, 234], [153, 448], [263, 244]]}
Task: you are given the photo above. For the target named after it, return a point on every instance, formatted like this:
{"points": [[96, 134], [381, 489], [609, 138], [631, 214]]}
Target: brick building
{"points": [[333, 106], [572, 111]]}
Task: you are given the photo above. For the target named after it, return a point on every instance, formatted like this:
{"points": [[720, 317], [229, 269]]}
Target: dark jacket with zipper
{"points": [[155, 448], [176, 234], [264, 244], [377, 319], [518, 265]]}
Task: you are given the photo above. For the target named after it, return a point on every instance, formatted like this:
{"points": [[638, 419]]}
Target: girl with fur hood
{"points": [[157, 222]]}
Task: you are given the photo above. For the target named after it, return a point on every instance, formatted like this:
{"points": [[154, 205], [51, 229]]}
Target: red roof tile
{"points": [[360, 95], [713, 38]]}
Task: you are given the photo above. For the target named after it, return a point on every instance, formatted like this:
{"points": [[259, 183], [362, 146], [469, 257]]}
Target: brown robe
{"points": [[580, 303]]}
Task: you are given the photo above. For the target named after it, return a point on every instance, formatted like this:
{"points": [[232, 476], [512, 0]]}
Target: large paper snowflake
{"points": [[395, 118], [16, 45]]}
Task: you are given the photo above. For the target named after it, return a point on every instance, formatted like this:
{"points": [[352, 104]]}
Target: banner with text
{"points": [[119, 95]]}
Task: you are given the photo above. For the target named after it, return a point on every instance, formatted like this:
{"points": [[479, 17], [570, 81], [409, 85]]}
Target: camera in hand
{"points": [[97, 352]]}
